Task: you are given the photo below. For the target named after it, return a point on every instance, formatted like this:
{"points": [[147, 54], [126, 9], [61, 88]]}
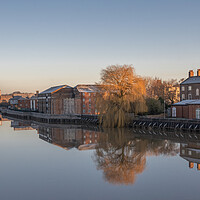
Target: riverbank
{"points": [[167, 123], [51, 119], [156, 123]]}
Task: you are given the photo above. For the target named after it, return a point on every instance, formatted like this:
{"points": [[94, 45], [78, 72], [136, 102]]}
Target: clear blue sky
{"points": [[51, 42]]}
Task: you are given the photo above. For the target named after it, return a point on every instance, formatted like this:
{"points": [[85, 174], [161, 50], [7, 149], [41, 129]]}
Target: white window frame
{"points": [[197, 92], [198, 113], [183, 88], [189, 88], [174, 112]]}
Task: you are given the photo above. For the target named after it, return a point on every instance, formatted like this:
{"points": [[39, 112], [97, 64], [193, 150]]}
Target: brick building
{"points": [[14, 102], [85, 99], [56, 100], [189, 105], [24, 104], [5, 98], [190, 152], [189, 88]]}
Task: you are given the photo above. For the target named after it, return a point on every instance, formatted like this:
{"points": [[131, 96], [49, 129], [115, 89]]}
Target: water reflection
{"points": [[191, 153], [69, 137], [121, 154]]}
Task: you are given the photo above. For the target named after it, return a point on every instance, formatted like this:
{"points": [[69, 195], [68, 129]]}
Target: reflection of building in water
{"points": [[3, 120], [69, 137], [19, 125], [191, 153]]}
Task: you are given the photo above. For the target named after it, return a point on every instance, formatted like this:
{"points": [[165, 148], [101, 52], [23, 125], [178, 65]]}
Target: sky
{"points": [[51, 42]]}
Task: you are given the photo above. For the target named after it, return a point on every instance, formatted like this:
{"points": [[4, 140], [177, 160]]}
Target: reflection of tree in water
{"points": [[121, 156]]}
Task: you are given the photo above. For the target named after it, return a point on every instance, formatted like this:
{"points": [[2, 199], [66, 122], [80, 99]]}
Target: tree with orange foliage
{"points": [[121, 88]]}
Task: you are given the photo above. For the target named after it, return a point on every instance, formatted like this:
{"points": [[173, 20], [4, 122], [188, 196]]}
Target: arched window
{"points": [[197, 92]]}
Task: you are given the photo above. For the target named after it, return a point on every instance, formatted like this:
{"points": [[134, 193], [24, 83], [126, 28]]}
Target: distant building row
{"points": [[60, 100]]}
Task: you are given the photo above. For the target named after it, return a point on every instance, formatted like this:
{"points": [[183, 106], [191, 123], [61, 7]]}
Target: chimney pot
{"points": [[191, 73], [37, 92]]}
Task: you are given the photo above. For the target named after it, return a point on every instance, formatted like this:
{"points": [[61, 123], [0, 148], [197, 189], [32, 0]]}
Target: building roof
{"points": [[16, 98], [188, 102], [54, 89], [34, 97], [87, 88], [191, 80]]}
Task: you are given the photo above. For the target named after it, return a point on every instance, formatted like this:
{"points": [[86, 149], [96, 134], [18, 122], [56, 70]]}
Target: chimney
{"points": [[198, 72], [37, 92], [191, 73]]}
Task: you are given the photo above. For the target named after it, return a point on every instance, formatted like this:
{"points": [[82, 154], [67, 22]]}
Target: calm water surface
{"points": [[72, 162]]}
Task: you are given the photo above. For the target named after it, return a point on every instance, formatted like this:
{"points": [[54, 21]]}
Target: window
{"points": [[90, 105], [198, 113], [83, 105], [83, 94], [183, 151], [89, 94], [183, 96], [83, 100], [197, 92], [89, 100], [183, 88], [189, 153], [89, 110], [173, 112], [189, 96], [83, 110], [189, 88]]}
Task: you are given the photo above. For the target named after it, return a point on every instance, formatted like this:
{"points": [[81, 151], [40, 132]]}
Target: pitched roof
{"points": [[16, 98], [54, 89], [188, 102], [191, 80], [87, 88]]}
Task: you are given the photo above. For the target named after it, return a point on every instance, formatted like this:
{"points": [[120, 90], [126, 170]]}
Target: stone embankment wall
{"points": [[51, 119]]}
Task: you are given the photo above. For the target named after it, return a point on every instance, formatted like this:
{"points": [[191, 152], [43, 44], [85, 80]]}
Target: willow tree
{"points": [[120, 156], [122, 92]]}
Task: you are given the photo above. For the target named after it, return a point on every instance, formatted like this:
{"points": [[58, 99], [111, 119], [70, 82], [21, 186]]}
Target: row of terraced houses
{"points": [[60, 100]]}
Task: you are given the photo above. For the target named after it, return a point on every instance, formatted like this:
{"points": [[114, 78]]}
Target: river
{"points": [[48, 162]]}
